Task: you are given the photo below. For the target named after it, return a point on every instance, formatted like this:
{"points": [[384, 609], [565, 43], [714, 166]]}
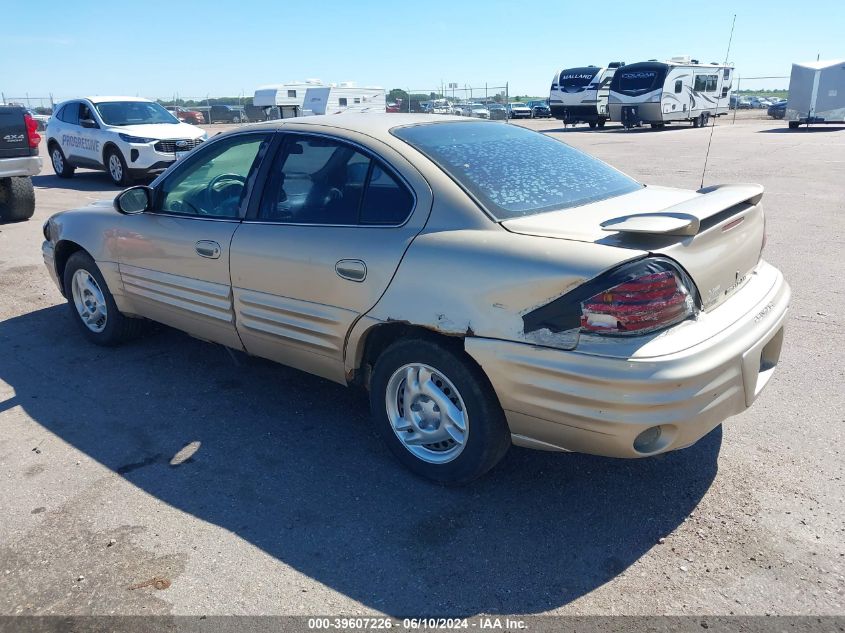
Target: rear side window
{"points": [[322, 181], [512, 171], [69, 113]]}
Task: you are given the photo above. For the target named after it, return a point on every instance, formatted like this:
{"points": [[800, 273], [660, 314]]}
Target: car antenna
{"points": [[713, 126]]}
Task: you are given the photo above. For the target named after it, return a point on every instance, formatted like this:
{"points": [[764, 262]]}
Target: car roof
{"points": [[377, 125], [101, 99]]}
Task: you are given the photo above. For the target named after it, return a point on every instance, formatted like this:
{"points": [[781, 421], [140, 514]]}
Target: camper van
{"points": [[816, 93], [579, 95], [681, 89]]}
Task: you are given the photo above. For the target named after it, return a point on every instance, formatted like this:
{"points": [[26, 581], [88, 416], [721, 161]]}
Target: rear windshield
{"points": [[513, 171]]}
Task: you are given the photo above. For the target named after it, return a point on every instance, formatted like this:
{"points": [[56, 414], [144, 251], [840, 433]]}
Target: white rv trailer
{"points": [[816, 93], [681, 89], [314, 97], [288, 98], [346, 97], [579, 95]]}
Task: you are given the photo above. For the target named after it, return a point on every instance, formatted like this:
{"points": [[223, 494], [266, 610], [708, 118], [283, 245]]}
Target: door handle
{"points": [[207, 248], [351, 269]]}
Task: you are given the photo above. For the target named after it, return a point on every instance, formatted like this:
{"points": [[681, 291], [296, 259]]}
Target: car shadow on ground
{"points": [[81, 181], [289, 463], [785, 129], [618, 129]]}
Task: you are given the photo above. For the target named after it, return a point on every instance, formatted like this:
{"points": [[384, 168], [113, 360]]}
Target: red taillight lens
{"points": [[31, 130], [649, 302]]}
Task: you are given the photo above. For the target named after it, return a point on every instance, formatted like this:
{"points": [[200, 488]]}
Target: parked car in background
{"points": [[393, 107], [19, 161], [127, 137], [518, 110], [777, 110], [497, 111], [40, 120], [479, 111], [224, 114], [738, 102], [194, 117], [540, 110], [591, 313], [759, 103]]}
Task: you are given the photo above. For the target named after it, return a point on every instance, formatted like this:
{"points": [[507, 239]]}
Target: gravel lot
{"points": [[291, 505]]}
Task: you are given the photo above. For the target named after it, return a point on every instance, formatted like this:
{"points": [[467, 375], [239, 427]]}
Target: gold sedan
{"points": [[487, 284]]}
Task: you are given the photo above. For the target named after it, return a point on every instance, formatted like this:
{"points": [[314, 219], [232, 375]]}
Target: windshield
{"points": [[638, 79], [133, 113], [576, 79], [518, 105], [498, 165]]}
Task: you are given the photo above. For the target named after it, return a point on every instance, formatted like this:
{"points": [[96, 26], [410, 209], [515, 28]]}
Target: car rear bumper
{"points": [[21, 166], [559, 400]]}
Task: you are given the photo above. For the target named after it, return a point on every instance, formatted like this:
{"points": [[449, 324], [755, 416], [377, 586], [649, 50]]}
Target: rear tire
{"points": [[593, 125], [87, 293], [60, 165], [602, 122], [17, 199], [443, 379], [116, 167], [793, 125]]}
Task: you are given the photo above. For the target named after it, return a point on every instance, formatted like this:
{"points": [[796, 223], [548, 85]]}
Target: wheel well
{"points": [[51, 143], [379, 337], [64, 249], [109, 145]]}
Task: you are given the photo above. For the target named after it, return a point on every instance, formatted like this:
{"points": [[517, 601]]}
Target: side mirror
{"points": [[89, 123], [134, 200]]}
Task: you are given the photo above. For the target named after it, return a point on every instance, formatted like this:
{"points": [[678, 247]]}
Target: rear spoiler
{"points": [[685, 218]]}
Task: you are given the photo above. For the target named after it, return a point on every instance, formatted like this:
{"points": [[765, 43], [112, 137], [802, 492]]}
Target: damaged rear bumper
{"points": [[576, 401]]}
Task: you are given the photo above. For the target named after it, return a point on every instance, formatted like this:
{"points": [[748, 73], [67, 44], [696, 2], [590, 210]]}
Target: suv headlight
{"points": [[135, 139]]}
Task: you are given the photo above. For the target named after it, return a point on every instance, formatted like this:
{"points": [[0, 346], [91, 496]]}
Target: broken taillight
{"points": [[651, 301]]}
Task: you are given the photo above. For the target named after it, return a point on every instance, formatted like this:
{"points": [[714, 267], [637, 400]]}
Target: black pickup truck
{"points": [[19, 161]]}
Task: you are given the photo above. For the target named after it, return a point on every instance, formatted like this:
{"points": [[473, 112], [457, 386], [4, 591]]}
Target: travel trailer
{"points": [[288, 98], [681, 89], [579, 95], [345, 97], [314, 97], [816, 93]]}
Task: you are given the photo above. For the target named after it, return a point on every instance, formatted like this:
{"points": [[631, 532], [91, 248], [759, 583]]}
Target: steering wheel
{"points": [[212, 193]]}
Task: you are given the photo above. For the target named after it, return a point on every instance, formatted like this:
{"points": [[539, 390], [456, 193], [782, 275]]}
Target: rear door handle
{"points": [[351, 269], [207, 248]]}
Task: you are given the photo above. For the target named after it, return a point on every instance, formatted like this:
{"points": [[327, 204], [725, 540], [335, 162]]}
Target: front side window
{"points": [[706, 83], [678, 86], [323, 181], [342, 101], [214, 183], [134, 113], [497, 165], [292, 94]]}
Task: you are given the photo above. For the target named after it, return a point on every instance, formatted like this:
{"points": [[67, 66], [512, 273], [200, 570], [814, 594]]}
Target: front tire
{"points": [[92, 305], [116, 168], [437, 412], [17, 199]]}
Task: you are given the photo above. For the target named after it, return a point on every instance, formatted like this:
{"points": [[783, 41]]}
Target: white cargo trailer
{"points": [[816, 93]]}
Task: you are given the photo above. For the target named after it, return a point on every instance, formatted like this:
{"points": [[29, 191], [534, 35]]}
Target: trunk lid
{"points": [[716, 234]]}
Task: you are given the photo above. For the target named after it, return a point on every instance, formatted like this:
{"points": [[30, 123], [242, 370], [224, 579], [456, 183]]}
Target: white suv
{"points": [[128, 137]]}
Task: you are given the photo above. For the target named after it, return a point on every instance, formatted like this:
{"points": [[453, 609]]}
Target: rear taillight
{"points": [[637, 297], [648, 302], [32, 130]]}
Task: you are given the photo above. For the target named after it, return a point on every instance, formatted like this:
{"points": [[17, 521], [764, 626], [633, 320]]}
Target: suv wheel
{"points": [[437, 412], [116, 168], [60, 164]]}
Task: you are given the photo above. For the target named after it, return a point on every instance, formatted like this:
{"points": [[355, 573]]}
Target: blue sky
{"points": [[155, 49]]}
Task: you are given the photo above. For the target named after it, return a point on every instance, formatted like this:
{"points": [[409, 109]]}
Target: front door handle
{"points": [[207, 248], [351, 269]]}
